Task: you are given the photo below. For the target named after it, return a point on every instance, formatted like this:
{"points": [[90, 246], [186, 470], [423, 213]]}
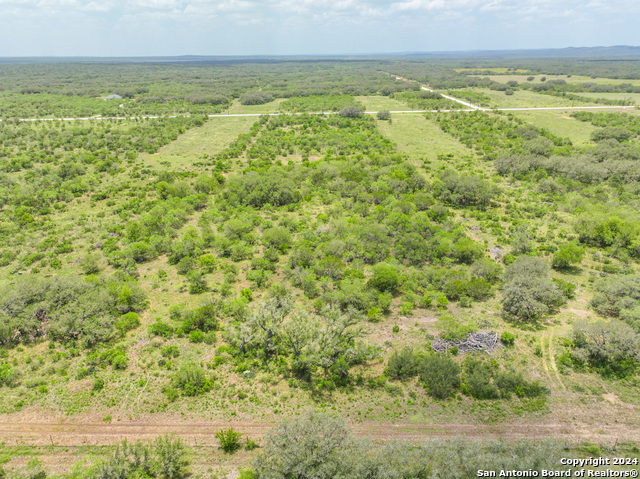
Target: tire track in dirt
{"points": [[543, 354], [203, 433], [552, 361]]}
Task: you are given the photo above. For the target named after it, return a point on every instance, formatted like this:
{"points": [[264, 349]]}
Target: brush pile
{"points": [[484, 341]]}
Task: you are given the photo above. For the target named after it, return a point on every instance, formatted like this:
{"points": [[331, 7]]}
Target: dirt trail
{"points": [[552, 361], [69, 434]]}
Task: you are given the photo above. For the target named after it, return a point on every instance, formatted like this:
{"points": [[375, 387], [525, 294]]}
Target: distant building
{"points": [[114, 97]]}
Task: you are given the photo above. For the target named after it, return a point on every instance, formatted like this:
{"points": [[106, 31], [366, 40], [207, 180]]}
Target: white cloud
{"points": [[299, 24]]}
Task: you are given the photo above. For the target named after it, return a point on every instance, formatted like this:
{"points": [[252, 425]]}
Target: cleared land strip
{"points": [[457, 100], [480, 108], [222, 115], [68, 434]]}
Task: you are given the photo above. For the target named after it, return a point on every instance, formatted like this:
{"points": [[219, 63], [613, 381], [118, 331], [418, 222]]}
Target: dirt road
{"points": [[68, 433]]}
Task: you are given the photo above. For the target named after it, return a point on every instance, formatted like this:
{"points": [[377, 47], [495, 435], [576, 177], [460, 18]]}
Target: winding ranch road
{"points": [[469, 107], [462, 102]]}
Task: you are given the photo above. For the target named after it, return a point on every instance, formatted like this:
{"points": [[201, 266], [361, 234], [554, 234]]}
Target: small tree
{"points": [[170, 460], [385, 277], [277, 237], [529, 292], [316, 445], [441, 375], [197, 283], [351, 111], [611, 346], [403, 364], [567, 256], [89, 264], [384, 115], [521, 242], [127, 322], [256, 98]]}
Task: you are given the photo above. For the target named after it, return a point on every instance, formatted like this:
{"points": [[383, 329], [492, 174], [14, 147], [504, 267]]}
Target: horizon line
{"points": [[325, 55]]}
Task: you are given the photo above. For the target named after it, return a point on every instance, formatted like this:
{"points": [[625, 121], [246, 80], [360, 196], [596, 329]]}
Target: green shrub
{"points": [[478, 379], [246, 473], [351, 111], [165, 458], [229, 440], [255, 98], [197, 283], [567, 256], [374, 314], [210, 338], [385, 277], [487, 270], [453, 329], [127, 322], [170, 352], [277, 237], [426, 300], [403, 364], [286, 450], [247, 293], [619, 297], [89, 264], [509, 382], [160, 328], [196, 336], [441, 375], [171, 393], [441, 301], [115, 357], [484, 380], [169, 459], [191, 380], [250, 444], [507, 338], [204, 318], [8, 375], [406, 309], [208, 263]]}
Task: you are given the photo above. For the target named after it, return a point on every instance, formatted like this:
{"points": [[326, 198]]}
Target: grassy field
{"points": [[197, 143], [635, 97], [380, 103], [569, 79], [517, 71], [271, 107], [421, 139], [560, 123], [525, 99]]}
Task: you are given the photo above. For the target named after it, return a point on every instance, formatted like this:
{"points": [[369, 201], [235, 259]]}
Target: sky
{"points": [[308, 27]]}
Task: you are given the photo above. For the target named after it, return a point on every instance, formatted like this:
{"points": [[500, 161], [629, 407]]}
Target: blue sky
{"points": [[285, 27]]}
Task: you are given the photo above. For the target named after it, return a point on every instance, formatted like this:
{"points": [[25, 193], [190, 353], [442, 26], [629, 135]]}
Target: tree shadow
{"points": [[524, 325], [571, 270]]}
